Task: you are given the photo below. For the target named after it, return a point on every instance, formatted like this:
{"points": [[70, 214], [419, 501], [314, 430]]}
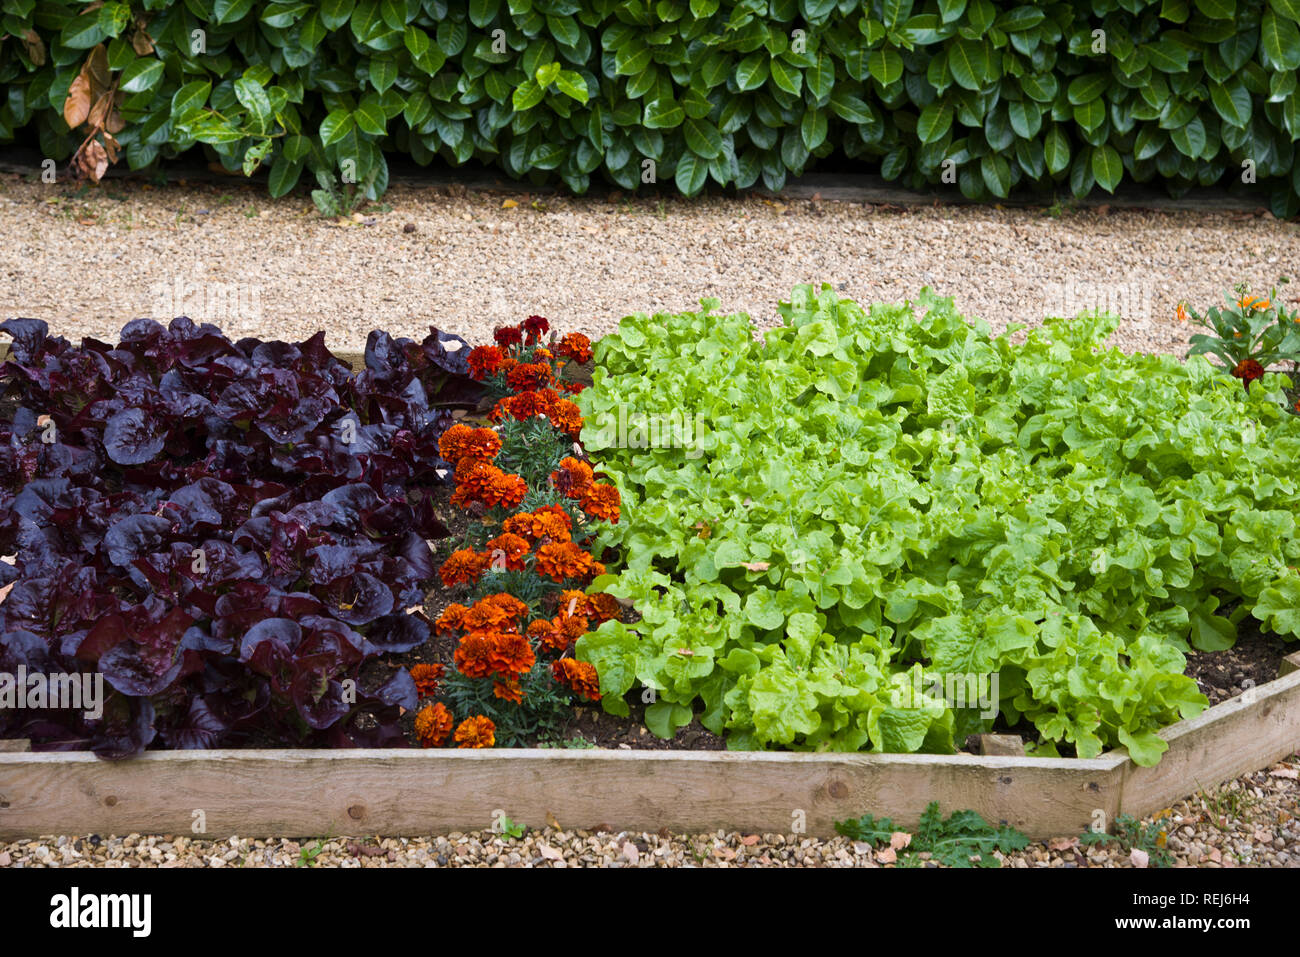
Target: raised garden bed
{"points": [[737, 635]]}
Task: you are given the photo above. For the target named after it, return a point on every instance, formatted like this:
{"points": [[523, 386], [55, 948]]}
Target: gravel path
{"points": [[88, 260], [1252, 821]]}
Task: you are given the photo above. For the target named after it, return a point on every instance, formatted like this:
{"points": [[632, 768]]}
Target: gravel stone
{"points": [[463, 261]]}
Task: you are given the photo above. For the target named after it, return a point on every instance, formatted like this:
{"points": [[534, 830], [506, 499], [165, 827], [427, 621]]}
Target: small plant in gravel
{"points": [[525, 558], [962, 840], [334, 198], [1131, 834], [1248, 337]]}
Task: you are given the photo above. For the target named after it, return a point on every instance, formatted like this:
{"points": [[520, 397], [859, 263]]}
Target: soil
{"points": [[1251, 662]]}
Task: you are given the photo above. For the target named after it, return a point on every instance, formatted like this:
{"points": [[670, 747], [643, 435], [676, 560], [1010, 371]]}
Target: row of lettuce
{"points": [[885, 528]]}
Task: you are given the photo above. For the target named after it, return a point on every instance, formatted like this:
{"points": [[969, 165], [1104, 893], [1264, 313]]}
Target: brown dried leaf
{"points": [[142, 43], [749, 840], [756, 566], [1062, 843], [899, 840], [35, 47], [77, 105], [1284, 772], [97, 159], [96, 68], [99, 112], [887, 856]]}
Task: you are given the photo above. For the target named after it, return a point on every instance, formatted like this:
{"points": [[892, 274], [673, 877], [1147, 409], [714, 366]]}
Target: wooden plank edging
{"points": [[1245, 733], [397, 792]]}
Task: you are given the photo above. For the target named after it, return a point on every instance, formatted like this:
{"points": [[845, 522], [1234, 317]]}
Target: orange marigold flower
{"points": [[506, 491], [426, 678], [541, 352], [486, 616], [476, 732], [546, 522], [474, 480], [601, 501], [562, 560], [432, 725], [493, 612], [573, 626], [460, 445], [559, 517], [573, 477], [575, 346], [474, 654], [528, 376], [580, 676], [566, 417], [463, 566], [509, 549], [574, 602], [482, 444], [484, 361], [451, 619], [508, 689], [451, 444], [512, 606], [572, 388], [521, 524], [543, 630], [606, 607], [1182, 312], [512, 654], [1253, 302], [597, 569]]}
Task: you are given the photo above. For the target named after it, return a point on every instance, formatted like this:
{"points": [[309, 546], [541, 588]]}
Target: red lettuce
{"points": [[227, 532]]}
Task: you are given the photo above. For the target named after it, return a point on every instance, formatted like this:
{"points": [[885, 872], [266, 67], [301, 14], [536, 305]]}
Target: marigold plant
{"points": [[476, 732], [1249, 336], [517, 560], [427, 677], [432, 725]]}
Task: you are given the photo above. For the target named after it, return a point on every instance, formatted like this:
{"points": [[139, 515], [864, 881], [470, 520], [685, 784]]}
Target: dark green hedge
{"points": [[1187, 91]]}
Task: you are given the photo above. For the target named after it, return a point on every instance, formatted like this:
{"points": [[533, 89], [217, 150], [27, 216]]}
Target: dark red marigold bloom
{"points": [[508, 336], [1248, 370], [536, 327]]}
